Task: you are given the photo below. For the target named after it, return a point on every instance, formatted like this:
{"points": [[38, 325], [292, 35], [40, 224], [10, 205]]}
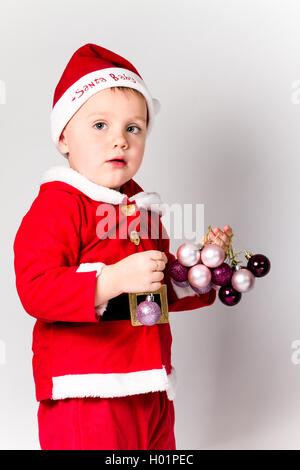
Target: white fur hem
{"points": [[172, 384], [115, 384]]}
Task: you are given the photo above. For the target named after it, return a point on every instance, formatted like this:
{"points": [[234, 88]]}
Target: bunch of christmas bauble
{"points": [[206, 265]]}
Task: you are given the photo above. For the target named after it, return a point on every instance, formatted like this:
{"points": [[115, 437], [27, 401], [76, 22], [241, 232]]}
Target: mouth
{"points": [[117, 161]]}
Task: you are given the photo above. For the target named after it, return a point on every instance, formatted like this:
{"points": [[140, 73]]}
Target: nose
{"points": [[119, 139]]}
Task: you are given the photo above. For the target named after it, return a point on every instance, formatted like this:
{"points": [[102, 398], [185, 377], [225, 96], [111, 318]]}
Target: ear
{"points": [[62, 143]]}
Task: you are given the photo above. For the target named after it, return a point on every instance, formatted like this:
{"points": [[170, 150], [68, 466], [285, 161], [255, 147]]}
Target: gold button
{"points": [[128, 210], [134, 237]]}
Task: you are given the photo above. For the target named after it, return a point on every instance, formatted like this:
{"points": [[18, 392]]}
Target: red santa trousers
{"points": [[136, 422]]}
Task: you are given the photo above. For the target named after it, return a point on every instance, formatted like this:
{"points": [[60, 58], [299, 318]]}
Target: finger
{"points": [[158, 276], [225, 238], [222, 236], [158, 265], [163, 256], [218, 235], [229, 235], [228, 230], [214, 236], [155, 286], [156, 254]]}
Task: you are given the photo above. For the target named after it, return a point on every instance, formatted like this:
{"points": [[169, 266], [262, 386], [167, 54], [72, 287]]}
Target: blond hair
{"points": [[132, 90]]}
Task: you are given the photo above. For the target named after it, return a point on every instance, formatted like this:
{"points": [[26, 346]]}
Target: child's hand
{"points": [[141, 272], [223, 238]]}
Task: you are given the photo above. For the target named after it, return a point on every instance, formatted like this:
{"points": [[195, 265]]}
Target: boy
{"points": [[102, 383]]}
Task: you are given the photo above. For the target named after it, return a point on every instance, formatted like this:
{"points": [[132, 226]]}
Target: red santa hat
{"points": [[93, 68]]}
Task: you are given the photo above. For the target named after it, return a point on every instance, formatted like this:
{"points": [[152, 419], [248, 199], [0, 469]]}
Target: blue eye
{"points": [[99, 123], [133, 127]]}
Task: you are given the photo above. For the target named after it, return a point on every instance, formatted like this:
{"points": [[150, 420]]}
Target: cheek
{"points": [[139, 150], [77, 139], [86, 150], [92, 145], [140, 146], [138, 158]]}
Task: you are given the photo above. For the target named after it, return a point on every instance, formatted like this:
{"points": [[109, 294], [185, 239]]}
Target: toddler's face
{"points": [[111, 123]]}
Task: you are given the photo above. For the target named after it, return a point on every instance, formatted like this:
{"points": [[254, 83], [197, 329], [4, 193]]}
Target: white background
{"points": [[227, 136]]}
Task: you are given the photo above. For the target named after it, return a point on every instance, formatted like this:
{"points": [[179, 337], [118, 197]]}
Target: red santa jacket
{"points": [[59, 250]]}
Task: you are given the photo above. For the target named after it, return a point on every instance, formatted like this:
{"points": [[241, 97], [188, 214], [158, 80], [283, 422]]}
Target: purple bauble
{"points": [[181, 284], [221, 275], [202, 290], [178, 272], [229, 296], [259, 265], [148, 312]]}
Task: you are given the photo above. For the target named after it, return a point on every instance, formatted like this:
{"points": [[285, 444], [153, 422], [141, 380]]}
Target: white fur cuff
{"points": [[88, 267], [182, 292]]}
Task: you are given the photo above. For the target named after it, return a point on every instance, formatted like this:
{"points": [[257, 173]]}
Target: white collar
{"points": [[99, 193]]}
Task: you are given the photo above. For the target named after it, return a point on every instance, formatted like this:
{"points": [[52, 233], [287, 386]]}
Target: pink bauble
{"points": [[199, 276], [188, 254], [243, 280], [148, 312], [212, 255]]}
